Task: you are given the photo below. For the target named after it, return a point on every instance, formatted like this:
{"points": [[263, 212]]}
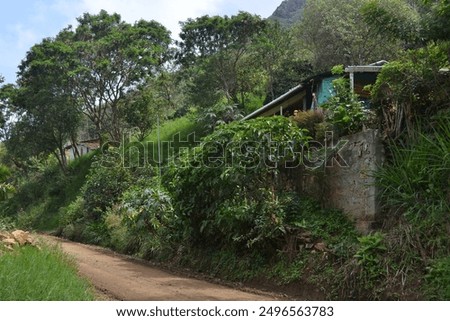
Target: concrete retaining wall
{"points": [[347, 182]]}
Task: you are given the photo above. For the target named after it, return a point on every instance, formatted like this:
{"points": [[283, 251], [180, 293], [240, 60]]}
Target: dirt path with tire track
{"points": [[119, 277]]}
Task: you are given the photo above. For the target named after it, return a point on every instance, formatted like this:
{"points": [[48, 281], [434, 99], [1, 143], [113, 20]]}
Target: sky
{"points": [[24, 23]]}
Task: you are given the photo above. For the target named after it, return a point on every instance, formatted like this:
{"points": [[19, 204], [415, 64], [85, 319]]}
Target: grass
{"points": [[174, 135], [180, 133], [31, 274]]}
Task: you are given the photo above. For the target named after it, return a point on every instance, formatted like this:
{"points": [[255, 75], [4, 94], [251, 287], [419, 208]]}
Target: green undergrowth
{"points": [[437, 280], [416, 196], [43, 191], [32, 274], [224, 209]]}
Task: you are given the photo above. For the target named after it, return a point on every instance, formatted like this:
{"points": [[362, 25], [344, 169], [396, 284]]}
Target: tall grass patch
{"points": [[163, 143], [32, 274]]}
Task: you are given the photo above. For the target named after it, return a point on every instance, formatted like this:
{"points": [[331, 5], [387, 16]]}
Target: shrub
{"points": [[73, 212], [412, 88], [344, 110], [5, 173], [32, 217], [6, 223], [118, 232], [148, 214], [368, 255], [227, 185], [71, 219], [219, 114], [309, 120], [106, 182]]}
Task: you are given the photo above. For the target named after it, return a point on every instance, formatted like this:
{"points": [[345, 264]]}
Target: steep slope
{"points": [[289, 12]]}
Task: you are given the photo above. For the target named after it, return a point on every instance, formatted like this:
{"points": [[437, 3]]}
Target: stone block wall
{"points": [[347, 181]]}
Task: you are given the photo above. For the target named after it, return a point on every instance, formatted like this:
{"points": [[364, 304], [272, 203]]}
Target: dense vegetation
{"points": [[180, 180]]}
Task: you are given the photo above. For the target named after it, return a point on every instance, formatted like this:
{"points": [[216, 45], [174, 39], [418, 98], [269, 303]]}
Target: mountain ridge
{"points": [[288, 12]]}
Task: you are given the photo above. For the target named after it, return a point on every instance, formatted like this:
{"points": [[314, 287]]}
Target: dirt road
{"points": [[122, 278]]}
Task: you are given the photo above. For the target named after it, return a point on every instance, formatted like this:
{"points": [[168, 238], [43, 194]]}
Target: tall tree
{"points": [[44, 104], [395, 19], [4, 97], [334, 32], [436, 19], [215, 49], [415, 22], [283, 62], [112, 57]]}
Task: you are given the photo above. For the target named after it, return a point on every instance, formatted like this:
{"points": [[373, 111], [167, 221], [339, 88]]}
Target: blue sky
{"points": [[24, 23]]}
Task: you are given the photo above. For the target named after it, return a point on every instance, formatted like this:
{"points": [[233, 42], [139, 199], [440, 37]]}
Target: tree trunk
{"points": [[62, 160], [73, 141]]}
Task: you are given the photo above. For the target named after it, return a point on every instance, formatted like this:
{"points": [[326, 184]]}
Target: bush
{"points": [[411, 89], [148, 214], [309, 120], [119, 234], [226, 187], [106, 182], [32, 217], [344, 110], [219, 114], [369, 253], [6, 223]]}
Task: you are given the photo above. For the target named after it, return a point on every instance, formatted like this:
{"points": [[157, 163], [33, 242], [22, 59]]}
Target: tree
{"points": [[215, 51], [4, 108], [334, 32], [282, 60], [436, 19], [415, 22], [394, 19], [412, 90], [159, 98], [112, 57], [43, 103]]}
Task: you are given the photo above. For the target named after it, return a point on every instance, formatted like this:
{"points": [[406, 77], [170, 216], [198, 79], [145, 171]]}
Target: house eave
{"points": [[275, 103], [356, 69]]}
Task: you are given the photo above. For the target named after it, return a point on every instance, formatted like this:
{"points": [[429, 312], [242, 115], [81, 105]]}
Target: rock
{"points": [[18, 237], [305, 237], [9, 242], [322, 247], [4, 235], [22, 237]]}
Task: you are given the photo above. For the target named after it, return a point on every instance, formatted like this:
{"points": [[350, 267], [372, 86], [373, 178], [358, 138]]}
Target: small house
{"points": [[314, 91], [81, 148]]}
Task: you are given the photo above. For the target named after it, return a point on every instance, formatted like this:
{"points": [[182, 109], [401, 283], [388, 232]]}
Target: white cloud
{"points": [[169, 12], [24, 37], [14, 40]]}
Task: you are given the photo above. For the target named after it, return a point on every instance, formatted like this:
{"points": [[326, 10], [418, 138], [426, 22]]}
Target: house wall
{"points": [[325, 90]]}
